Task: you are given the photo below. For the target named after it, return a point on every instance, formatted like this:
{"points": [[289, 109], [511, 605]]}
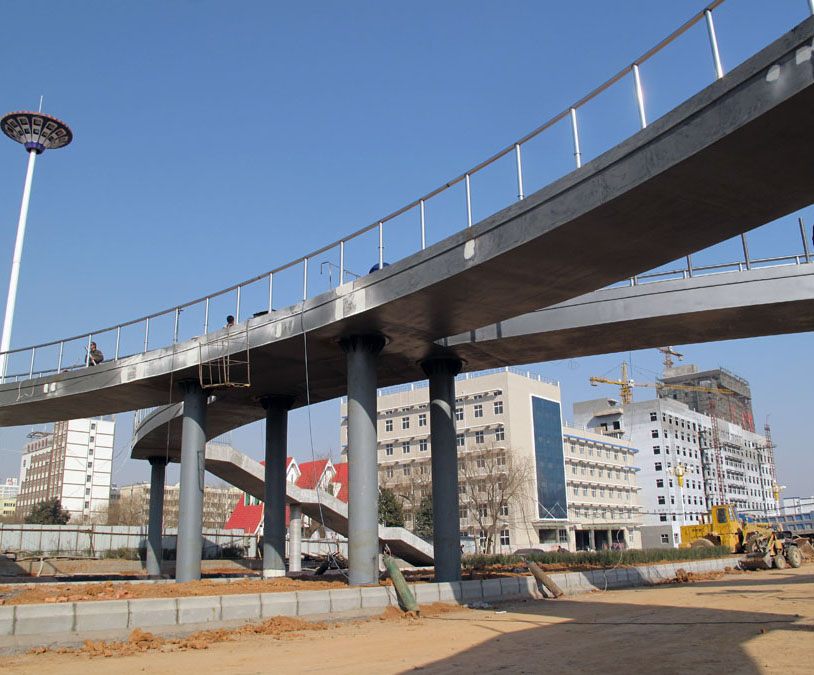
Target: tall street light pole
{"points": [[37, 132]]}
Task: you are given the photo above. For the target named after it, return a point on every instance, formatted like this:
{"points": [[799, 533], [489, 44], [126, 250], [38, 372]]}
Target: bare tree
{"points": [[127, 510], [492, 481], [409, 488]]}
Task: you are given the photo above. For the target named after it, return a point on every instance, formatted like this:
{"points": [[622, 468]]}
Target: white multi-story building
{"points": [[525, 480], [687, 462], [72, 463]]}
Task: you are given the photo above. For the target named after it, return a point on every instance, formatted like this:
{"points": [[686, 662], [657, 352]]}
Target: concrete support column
{"points": [[446, 537], [592, 538], [155, 521], [572, 539], [625, 537], [295, 538], [274, 499], [610, 539], [190, 499], [363, 478]]}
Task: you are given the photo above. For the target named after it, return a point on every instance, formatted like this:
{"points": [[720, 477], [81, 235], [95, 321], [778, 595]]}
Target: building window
{"points": [[663, 517], [498, 407], [656, 449], [388, 425], [659, 482], [654, 433], [422, 445], [459, 414], [479, 437], [87, 491], [657, 466], [405, 422], [388, 449], [87, 480], [405, 470], [463, 512], [422, 419], [504, 537], [500, 434], [460, 441], [405, 448], [500, 459], [593, 492], [662, 500], [653, 417], [665, 539], [389, 472], [478, 410]]}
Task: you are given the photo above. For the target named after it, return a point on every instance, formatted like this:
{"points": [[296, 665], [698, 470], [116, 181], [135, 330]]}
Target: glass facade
{"points": [[552, 500]]}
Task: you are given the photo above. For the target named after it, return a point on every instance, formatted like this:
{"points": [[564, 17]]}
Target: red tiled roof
{"points": [[311, 472], [341, 478], [245, 518]]}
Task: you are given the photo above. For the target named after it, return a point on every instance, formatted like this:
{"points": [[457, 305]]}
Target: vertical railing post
{"points": [[713, 43], [341, 262], [689, 265], [59, 360], [87, 351], [423, 229], [31, 366], [237, 306], [146, 332], [381, 245], [118, 340], [304, 278], [271, 288], [468, 203], [746, 252], [639, 95], [519, 163], [803, 232], [206, 317], [175, 331], [575, 135]]}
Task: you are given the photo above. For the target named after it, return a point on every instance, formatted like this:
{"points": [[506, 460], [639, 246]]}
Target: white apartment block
{"points": [[674, 440], [525, 481], [72, 463]]}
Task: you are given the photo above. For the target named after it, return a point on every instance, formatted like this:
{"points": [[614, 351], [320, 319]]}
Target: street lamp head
{"points": [[38, 132]]}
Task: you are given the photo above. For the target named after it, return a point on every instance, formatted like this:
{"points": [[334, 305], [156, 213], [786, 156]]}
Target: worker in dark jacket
{"points": [[95, 356]]}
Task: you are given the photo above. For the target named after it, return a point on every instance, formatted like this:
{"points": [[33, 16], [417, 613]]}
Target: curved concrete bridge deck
{"points": [[730, 305], [725, 161]]}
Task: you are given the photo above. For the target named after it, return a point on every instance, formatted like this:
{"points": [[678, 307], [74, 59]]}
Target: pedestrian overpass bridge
{"points": [[723, 162]]}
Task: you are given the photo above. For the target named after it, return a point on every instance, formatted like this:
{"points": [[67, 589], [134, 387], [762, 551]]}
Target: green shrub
{"points": [[598, 558]]}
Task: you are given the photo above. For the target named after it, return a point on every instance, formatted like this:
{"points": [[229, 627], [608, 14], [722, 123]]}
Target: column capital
{"points": [[158, 461], [370, 342], [277, 401], [189, 385], [442, 365]]}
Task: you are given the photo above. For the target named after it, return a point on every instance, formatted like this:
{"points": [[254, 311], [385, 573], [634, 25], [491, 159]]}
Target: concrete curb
{"points": [[161, 612]]}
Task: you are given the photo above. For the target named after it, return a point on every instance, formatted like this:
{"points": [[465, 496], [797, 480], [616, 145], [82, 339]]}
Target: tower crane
{"points": [[626, 385], [669, 352]]}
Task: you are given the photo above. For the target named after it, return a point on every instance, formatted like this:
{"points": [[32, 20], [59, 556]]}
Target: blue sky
{"points": [[215, 141]]}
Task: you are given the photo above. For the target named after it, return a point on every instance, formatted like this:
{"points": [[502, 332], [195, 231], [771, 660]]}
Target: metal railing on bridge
{"points": [[55, 351]]}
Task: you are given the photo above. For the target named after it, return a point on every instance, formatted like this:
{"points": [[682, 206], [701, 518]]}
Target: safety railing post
{"points": [[468, 203], [304, 278], [519, 163], [637, 80], [59, 359], [237, 306], [87, 351], [146, 333], [271, 288], [341, 262], [206, 317], [31, 366], [803, 233], [575, 135], [713, 43], [423, 227], [746, 252], [689, 266], [381, 244]]}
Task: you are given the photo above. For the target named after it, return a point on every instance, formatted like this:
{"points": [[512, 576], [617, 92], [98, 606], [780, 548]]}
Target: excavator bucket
{"points": [[805, 547], [757, 561]]}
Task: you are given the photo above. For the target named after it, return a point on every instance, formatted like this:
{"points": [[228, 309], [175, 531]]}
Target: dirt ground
{"points": [[760, 622]]}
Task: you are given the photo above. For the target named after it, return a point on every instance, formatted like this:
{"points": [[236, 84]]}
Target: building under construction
{"points": [[733, 406]]}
